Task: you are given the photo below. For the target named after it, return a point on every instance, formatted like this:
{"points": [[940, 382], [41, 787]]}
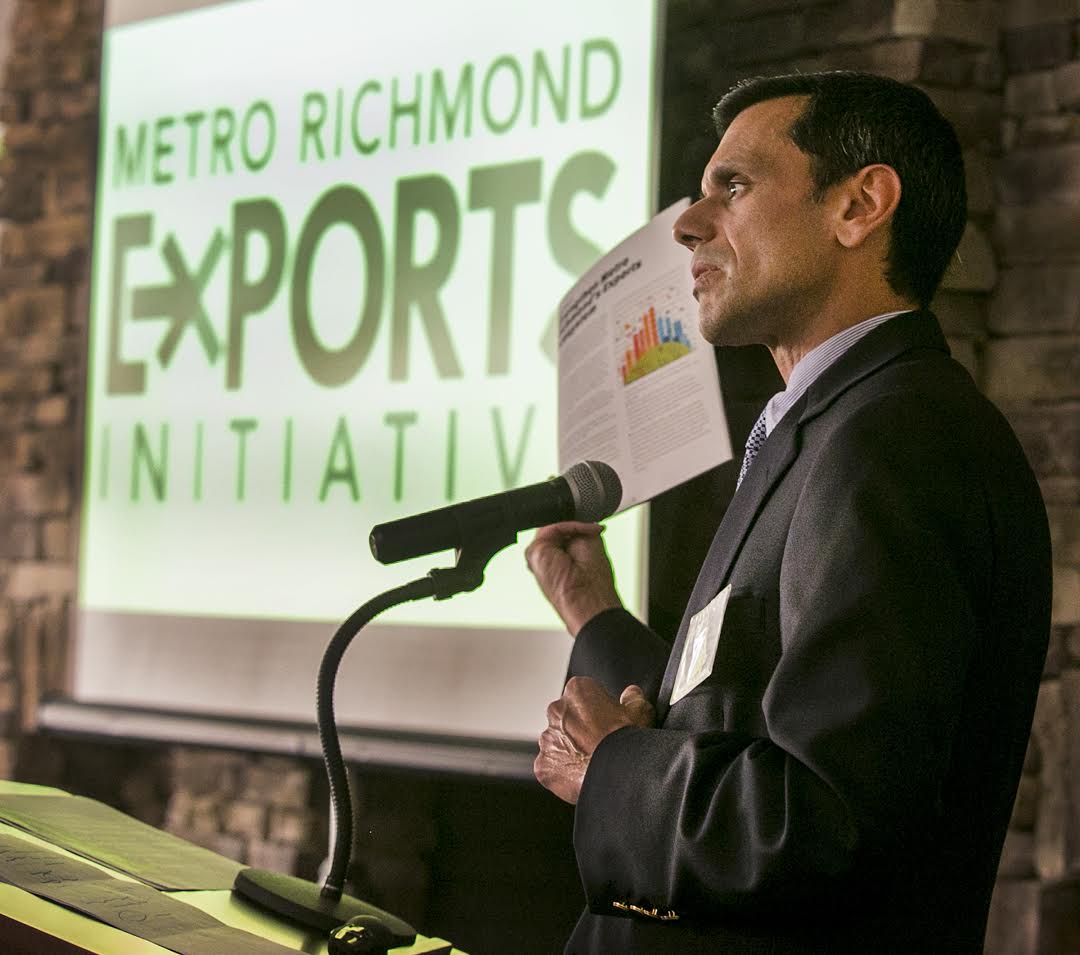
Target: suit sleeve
{"points": [[877, 622], [617, 649]]}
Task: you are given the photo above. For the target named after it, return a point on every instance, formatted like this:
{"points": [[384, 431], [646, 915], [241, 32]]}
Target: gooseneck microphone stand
{"points": [[327, 908]]}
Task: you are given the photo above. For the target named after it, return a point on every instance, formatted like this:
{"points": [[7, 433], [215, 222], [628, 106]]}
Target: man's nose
{"points": [[688, 229]]}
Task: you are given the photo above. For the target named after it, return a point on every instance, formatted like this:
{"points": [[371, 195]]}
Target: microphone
{"points": [[589, 491]]}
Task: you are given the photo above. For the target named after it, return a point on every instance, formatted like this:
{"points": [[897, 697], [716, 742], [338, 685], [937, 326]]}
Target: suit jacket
{"points": [[843, 779]]}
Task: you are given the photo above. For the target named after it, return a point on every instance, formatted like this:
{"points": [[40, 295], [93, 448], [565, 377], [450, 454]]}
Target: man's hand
{"points": [[571, 566], [577, 721]]}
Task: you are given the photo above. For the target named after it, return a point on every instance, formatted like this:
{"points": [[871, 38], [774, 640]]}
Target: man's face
{"points": [[764, 254]]}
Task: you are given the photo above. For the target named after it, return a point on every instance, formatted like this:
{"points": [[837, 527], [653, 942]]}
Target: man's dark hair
{"points": [[852, 120]]}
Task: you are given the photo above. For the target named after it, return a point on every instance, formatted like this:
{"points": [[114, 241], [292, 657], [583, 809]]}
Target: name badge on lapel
{"points": [[699, 650]]}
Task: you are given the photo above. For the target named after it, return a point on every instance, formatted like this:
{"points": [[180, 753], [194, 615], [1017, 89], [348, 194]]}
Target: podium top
{"points": [[46, 926]]}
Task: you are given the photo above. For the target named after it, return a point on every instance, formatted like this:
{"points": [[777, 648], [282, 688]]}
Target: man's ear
{"points": [[866, 201]]}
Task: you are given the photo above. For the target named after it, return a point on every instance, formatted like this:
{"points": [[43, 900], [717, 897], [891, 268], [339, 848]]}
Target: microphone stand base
{"points": [[298, 900]]}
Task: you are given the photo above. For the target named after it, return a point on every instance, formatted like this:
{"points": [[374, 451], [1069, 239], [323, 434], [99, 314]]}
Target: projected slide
{"points": [[329, 247]]}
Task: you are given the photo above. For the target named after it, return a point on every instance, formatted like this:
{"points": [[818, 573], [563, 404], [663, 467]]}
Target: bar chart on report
{"points": [[653, 328]]}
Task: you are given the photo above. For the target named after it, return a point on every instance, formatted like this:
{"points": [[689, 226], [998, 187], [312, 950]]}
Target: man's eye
{"points": [[732, 188]]}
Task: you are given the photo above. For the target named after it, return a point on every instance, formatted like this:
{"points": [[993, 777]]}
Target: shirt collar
{"points": [[809, 368]]}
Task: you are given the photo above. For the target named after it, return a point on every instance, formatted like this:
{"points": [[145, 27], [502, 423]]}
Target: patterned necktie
{"points": [[753, 445]]}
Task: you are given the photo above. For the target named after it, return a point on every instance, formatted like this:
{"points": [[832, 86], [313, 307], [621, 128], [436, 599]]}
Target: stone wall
{"points": [[1032, 370], [48, 108], [1006, 73]]}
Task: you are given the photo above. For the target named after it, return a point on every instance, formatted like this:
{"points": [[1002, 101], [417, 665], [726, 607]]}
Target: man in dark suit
{"points": [[826, 758]]}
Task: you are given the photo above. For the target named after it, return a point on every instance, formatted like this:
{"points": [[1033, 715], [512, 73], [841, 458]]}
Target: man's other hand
{"points": [[577, 721], [572, 568]]}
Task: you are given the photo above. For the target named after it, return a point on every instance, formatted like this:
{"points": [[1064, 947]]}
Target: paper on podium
{"points": [[98, 832], [129, 906], [638, 386]]}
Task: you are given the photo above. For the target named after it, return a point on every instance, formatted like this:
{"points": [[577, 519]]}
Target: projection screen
{"points": [[330, 239]]}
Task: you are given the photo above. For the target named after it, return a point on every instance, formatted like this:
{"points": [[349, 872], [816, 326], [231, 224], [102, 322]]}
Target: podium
{"points": [[35, 925]]}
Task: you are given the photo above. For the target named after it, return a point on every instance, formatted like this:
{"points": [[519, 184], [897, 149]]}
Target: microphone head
{"points": [[596, 489]]}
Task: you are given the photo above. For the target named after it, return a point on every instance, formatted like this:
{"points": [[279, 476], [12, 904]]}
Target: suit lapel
{"points": [[887, 341], [772, 461]]}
